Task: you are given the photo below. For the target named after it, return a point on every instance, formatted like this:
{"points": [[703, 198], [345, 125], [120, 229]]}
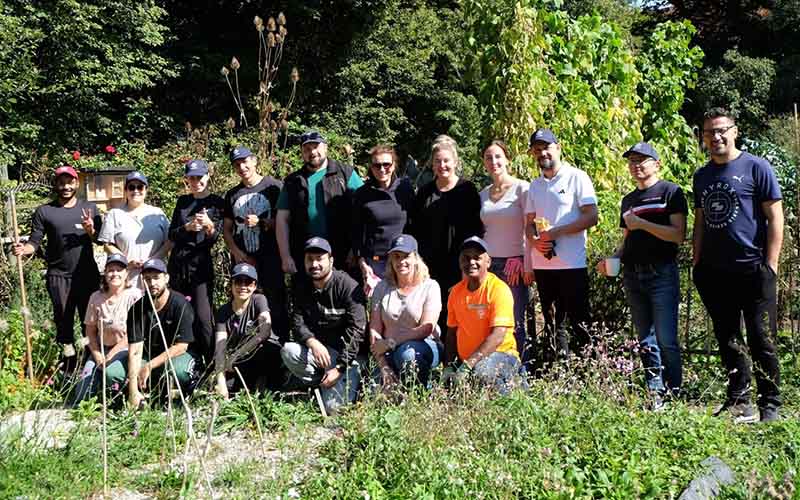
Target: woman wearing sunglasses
{"points": [[136, 230], [380, 209]]}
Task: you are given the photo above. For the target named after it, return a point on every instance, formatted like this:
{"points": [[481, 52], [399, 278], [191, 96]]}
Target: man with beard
{"points": [[69, 225], [561, 206], [328, 326], [480, 323], [315, 201], [738, 233], [159, 335], [249, 230]]}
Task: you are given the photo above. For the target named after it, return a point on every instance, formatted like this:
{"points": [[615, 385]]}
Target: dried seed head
{"points": [[269, 107], [284, 125], [295, 75], [348, 150], [278, 39], [231, 123], [271, 24], [273, 125], [224, 71], [259, 23], [281, 19], [271, 40], [263, 87], [235, 64], [282, 31]]}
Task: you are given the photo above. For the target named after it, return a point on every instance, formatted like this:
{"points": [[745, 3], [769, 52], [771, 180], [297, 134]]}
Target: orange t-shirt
{"points": [[474, 314]]}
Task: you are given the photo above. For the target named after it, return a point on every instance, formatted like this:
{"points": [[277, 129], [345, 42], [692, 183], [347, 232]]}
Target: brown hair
{"points": [[500, 144], [382, 149]]}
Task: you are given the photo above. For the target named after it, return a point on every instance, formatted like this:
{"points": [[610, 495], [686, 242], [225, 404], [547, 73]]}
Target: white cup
{"points": [[612, 266]]}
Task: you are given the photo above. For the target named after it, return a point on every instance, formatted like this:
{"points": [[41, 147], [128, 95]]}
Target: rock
{"points": [[708, 485], [45, 428]]}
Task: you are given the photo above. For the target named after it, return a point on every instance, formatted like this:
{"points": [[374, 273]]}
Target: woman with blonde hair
{"points": [[405, 309], [446, 211]]}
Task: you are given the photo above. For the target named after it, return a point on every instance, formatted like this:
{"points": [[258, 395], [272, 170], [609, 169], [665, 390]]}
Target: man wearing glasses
{"points": [[315, 201], [738, 234], [653, 220]]}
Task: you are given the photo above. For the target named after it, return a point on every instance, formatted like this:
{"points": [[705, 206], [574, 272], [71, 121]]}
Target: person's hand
{"points": [[632, 221], [144, 376], [99, 360], [87, 221], [136, 399], [242, 257], [288, 265], [513, 269], [601, 268], [320, 353], [773, 266], [17, 249], [366, 270], [251, 220], [544, 247], [382, 346], [203, 219], [192, 226], [528, 278], [134, 264], [330, 378]]}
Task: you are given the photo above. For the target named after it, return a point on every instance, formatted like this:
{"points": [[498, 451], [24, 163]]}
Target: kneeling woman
{"points": [[405, 309], [244, 337], [106, 316]]}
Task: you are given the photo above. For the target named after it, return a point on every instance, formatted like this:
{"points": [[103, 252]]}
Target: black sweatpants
{"points": [[70, 294], [564, 297], [728, 296]]}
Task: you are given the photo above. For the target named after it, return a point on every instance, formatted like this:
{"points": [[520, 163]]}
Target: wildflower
{"points": [[224, 71], [295, 75], [76, 155], [281, 19], [271, 24], [111, 150], [234, 64]]}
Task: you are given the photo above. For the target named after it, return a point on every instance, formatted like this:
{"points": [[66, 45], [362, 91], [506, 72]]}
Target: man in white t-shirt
{"points": [[561, 206]]}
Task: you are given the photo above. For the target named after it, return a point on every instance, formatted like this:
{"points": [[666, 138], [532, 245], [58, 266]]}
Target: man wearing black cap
{"points": [[195, 227], [69, 226], [480, 322], [249, 232], [738, 233], [561, 206], [328, 327], [159, 335], [653, 220], [316, 201]]}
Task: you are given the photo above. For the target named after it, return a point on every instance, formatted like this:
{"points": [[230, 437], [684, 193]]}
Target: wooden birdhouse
{"points": [[105, 187]]}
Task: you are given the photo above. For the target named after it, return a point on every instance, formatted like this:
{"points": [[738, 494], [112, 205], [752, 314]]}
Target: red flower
{"points": [[111, 150], [76, 155]]}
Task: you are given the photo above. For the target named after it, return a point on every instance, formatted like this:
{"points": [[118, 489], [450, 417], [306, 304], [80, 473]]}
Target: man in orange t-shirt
{"points": [[480, 321]]}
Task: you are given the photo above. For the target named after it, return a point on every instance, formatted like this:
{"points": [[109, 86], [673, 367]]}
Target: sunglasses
{"points": [[135, 187], [383, 166]]}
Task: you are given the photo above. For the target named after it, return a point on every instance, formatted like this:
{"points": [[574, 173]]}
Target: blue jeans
{"points": [[498, 370], [653, 293], [413, 360], [521, 295]]}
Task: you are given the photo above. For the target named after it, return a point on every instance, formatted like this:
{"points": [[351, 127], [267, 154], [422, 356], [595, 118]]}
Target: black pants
{"points": [[564, 296], [70, 294], [201, 299], [271, 280], [262, 370], [728, 296]]}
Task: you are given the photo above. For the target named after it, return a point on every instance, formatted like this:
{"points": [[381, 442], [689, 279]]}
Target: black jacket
{"points": [[337, 207], [334, 315], [379, 216]]}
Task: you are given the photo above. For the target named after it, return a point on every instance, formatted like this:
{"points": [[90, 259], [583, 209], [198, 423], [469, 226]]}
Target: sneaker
{"points": [[741, 412], [657, 402], [768, 414]]}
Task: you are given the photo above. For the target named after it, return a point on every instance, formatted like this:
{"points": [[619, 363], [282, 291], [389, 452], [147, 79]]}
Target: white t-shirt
{"points": [[137, 237], [504, 221], [559, 200]]}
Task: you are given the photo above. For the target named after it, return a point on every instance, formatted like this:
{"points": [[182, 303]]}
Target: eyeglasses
{"points": [[383, 166], [135, 187], [712, 132]]}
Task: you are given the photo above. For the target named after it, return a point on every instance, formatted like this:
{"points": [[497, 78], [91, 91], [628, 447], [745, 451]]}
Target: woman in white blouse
{"points": [[136, 230], [503, 216], [405, 309]]}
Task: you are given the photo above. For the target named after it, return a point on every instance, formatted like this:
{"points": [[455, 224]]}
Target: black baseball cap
{"points": [[117, 258], [240, 152], [195, 168], [154, 265], [312, 136], [317, 243], [642, 148], [136, 176], [404, 243], [474, 242], [543, 135], [244, 269]]}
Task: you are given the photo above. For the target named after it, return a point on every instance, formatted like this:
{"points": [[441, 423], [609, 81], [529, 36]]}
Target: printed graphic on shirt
{"points": [[720, 204], [250, 204]]}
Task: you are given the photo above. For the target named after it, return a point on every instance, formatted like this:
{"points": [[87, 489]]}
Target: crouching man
{"points": [[480, 323], [328, 325], [159, 334]]}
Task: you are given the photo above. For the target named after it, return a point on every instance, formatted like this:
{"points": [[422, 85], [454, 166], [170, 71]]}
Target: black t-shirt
{"points": [[177, 317], [379, 216], [260, 200], [654, 204], [69, 249], [190, 259], [239, 327]]}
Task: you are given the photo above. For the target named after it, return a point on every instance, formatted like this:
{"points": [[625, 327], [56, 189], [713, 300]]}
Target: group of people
{"points": [[412, 279]]}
